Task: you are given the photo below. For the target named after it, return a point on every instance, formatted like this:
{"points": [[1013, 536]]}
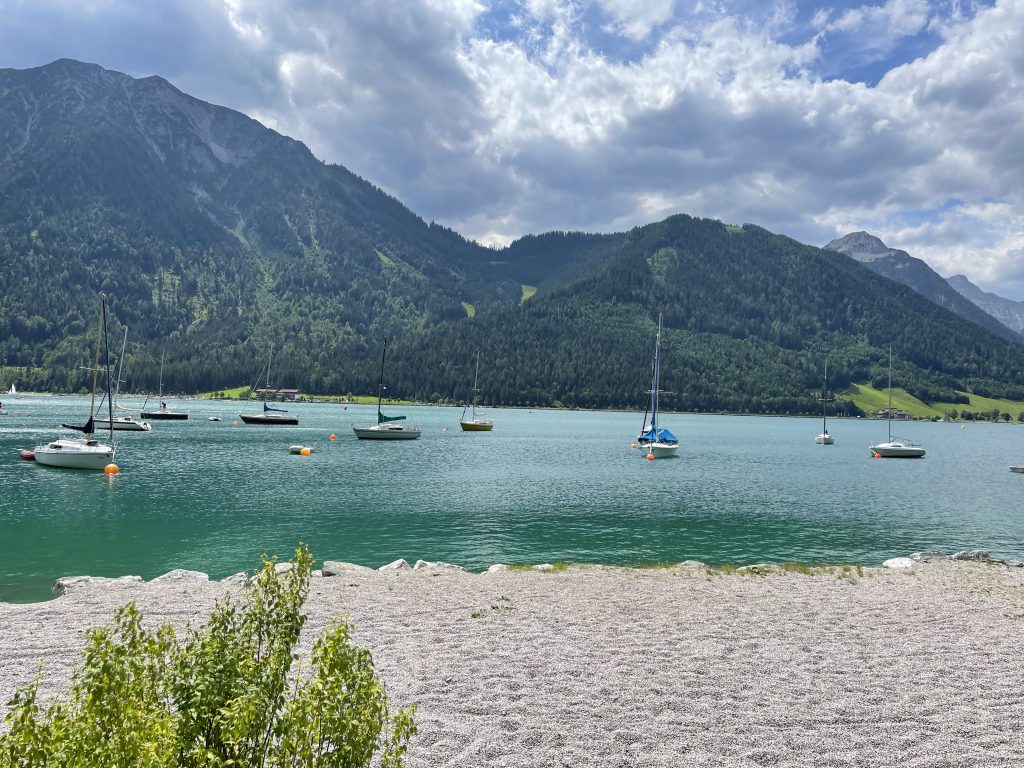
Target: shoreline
{"points": [[657, 667]]}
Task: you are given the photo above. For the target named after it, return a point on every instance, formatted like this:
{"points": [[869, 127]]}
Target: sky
{"points": [[500, 118]]}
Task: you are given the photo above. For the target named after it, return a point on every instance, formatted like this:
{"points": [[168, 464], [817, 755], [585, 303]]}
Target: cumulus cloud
{"points": [[505, 117]]}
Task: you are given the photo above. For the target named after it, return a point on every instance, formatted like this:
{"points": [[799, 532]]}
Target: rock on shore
{"points": [[665, 667]]}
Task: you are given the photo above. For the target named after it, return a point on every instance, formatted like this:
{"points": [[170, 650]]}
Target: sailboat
{"points": [[12, 391], [122, 423], [270, 416], [659, 442], [163, 413], [386, 427], [475, 422], [84, 452], [895, 447], [825, 438]]}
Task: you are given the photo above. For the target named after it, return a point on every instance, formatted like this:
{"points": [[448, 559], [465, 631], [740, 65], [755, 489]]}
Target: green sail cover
{"points": [[381, 418]]}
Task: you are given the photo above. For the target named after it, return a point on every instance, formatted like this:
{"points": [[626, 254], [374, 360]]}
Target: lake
{"points": [[545, 485]]}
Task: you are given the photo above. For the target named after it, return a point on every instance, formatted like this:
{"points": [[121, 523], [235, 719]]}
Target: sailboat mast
{"points": [[476, 389], [657, 378], [824, 401], [266, 384], [160, 389], [120, 363], [106, 362], [380, 382], [889, 412]]}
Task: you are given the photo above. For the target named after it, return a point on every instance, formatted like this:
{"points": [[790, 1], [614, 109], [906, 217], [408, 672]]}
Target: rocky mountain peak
{"points": [[862, 246]]}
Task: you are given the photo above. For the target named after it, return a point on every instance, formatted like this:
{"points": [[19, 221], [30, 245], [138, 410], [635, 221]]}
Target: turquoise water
{"points": [[543, 486]]}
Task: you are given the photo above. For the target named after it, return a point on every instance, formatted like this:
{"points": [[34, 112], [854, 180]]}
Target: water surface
{"points": [[543, 486]]}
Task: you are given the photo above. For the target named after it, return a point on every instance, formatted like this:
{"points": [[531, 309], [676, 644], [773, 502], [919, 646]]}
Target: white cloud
{"points": [[636, 18]]}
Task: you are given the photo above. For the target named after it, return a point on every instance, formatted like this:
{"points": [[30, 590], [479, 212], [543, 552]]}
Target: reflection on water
{"points": [[543, 486]]}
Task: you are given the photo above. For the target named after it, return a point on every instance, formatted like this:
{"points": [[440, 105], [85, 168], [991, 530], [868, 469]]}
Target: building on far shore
{"points": [[897, 413], [275, 394]]}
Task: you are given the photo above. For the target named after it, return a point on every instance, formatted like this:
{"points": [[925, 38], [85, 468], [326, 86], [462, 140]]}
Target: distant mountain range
{"points": [[903, 268], [1008, 312], [217, 240]]}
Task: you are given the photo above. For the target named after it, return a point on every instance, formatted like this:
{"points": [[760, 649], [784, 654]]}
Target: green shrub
{"points": [[223, 696]]}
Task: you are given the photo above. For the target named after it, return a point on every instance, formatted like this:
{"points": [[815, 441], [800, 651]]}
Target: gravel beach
{"points": [[592, 666]]}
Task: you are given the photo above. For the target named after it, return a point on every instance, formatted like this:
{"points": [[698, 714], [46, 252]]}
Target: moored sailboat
{"points": [[825, 438], [659, 442], [84, 452], [895, 447], [386, 427], [270, 416], [476, 422], [122, 423], [162, 413]]}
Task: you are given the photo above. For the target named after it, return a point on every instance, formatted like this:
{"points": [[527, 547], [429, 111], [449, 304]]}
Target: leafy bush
{"points": [[223, 696]]}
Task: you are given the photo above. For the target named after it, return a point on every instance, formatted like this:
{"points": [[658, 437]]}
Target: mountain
{"points": [[208, 231], [901, 267], [750, 318], [217, 239], [1008, 312]]}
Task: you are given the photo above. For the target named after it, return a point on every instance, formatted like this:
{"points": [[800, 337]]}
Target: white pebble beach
{"points": [[592, 666]]}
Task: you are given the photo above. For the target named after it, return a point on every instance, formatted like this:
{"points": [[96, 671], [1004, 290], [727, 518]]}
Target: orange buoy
{"points": [[632, 445], [650, 457], [111, 469], [334, 437], [876, 455], [304, 452]]}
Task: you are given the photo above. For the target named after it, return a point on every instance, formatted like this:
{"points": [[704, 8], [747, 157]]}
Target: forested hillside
{"points": [[216, 239], [750, 318]]}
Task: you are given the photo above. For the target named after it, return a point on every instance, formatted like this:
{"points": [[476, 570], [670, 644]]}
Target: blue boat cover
{"points": [[660, 435]]}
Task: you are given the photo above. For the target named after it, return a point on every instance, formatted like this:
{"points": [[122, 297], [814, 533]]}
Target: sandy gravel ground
{"points": [[676, 667]]}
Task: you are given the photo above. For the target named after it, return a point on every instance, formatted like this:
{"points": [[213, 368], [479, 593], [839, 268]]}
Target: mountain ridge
{"points": [[899, 266]]}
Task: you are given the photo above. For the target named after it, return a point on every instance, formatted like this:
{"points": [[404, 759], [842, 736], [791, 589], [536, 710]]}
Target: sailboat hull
{"points": [[824, 439], [662, 450], [897, 449], [74, 454], [165, 415], [269, 419], [478, 425], [123, 424], [386, 432]]}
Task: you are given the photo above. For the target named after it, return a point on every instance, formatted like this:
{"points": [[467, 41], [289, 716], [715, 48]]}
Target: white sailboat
{"points": [[386, 427], [895, 447], [84, 452], [476, 422], [659, 442], [122, 423], [12, 391], [825, 438]]}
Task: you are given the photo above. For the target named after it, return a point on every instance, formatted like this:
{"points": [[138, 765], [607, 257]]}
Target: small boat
{"points": [[659, 442], [386, 428], [84, 452], [13, 390], [213, 418], [895, 447], [300, 448], [27, 455], [163, 413], [825, 438], [476, 422], [1017, 469], [122, 423], [270, 416]]}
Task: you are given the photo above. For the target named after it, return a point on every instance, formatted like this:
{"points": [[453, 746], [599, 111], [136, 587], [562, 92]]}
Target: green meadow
{"points": [[869, 399]]}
